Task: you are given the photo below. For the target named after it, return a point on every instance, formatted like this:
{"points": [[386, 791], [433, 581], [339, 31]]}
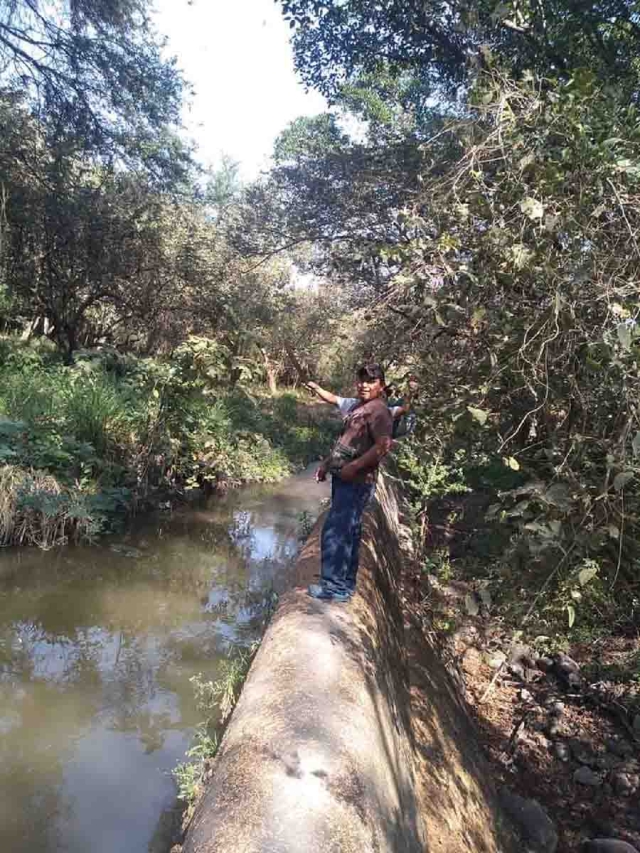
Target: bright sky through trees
{"points": [[236, 54]]}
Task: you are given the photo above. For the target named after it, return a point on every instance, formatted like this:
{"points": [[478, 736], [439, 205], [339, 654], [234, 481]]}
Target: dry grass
{"points": [[36, 510]]}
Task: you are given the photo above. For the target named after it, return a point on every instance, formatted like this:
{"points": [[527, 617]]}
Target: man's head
{"points": [[369, 382]]}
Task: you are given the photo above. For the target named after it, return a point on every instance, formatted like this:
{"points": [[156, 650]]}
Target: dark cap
{"points": [[370, 371]]}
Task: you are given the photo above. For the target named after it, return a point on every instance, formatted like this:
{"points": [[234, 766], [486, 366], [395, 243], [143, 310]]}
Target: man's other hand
{"points": [[348, 472], [321, 474]]}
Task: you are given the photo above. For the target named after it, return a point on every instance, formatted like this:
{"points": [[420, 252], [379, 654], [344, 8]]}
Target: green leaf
{"points": [[622, 479], [532, 208], [624, 336], [512, 463], [571, 613], [479, 415], [558, 495], [587, 574]]}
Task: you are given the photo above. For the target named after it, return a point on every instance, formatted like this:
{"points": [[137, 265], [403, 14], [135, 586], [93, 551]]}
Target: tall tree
{"points": [[93, 73], [442, 42]]}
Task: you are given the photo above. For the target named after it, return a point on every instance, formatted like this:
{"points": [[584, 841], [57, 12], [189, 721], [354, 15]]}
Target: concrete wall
{"points": [[323, 752]]}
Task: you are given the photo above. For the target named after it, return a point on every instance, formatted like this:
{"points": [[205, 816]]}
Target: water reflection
{"points": [[97, 646]]}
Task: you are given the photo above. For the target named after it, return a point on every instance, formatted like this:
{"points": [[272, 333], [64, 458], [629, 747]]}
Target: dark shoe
{"points": [[316, 590]]}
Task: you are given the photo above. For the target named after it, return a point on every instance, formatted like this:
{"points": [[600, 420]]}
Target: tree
{"points": [[443, 44], [93, 74]]}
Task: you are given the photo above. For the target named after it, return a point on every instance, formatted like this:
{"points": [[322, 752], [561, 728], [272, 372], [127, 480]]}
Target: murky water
{"points": [[97, 646]]}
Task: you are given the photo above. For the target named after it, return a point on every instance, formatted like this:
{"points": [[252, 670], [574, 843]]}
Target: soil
{"points": [[536, 730]]}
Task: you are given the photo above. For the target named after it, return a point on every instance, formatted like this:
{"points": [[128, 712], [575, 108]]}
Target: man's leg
{"points": [[340, 534], [364, 496], [336, 539]]}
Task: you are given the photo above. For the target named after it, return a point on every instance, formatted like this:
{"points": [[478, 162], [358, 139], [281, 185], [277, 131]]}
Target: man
{"points": [[353, 464], [345, 404]]}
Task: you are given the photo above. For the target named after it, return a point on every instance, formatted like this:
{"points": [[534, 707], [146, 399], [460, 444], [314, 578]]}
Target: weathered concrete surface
{"points": [[323, 752]]}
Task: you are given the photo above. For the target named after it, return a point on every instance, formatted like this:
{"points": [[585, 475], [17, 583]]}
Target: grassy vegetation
{"points": [[216, 700], [82, 445]]}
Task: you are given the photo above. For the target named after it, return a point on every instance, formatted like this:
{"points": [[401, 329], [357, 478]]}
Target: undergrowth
{"points": [[82, 445], [554, 575], [216, 700]]}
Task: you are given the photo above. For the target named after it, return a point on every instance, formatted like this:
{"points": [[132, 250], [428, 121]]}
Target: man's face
{"points": [[369, 389]]}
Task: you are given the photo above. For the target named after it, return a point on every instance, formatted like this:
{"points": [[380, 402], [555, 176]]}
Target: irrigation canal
{"points": [[97, 646]]}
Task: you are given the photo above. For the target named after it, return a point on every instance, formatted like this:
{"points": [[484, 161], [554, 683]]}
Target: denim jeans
{"points": [[341, 535]]}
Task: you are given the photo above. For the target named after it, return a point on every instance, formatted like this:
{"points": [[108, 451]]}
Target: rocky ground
{"points": [[562, 738]]}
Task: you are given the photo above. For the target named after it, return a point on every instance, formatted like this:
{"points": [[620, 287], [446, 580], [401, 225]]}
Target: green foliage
{"points": [[94, 75], [306, 522], [215, 699], [444, 44], [80, 443], [429, 474], [489, 244], [189, 774]]}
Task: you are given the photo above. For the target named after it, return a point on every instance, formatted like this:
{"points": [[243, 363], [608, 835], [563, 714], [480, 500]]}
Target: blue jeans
{"points": [[341, 535]]}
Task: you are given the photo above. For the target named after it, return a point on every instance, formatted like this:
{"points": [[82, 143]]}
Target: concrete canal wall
{"points": [[330, 748]]}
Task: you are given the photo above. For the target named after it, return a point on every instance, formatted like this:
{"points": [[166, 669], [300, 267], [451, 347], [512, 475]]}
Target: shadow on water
{"points": [[97, 646]]}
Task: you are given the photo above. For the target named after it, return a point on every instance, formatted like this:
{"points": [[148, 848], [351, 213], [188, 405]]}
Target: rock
{"points": [[556, 709], [568, 671], [496, 660], [522, 662], [585, 776], [534, 823], [582, 752], [526, 696], [565, 664], [606, 762], [625, 783], [608, 845], [621, 748], [561, 750]]}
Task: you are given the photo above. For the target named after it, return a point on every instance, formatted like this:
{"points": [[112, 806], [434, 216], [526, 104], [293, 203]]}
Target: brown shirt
{"points": [[363, 426]]}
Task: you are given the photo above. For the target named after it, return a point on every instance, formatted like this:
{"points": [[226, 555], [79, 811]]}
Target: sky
{"points": [[237, 56]]}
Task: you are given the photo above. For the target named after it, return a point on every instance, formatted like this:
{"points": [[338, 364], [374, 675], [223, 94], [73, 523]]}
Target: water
{"points": [[97, 646]]}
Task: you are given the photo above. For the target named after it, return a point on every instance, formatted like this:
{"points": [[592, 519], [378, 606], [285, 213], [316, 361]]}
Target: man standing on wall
{"points": [[353, 464]]}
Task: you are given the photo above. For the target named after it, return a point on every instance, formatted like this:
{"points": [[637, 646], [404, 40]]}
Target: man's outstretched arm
{"points": [[327, 396]]}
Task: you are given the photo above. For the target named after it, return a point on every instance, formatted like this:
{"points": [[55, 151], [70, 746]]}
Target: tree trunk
{"points": [[271, 371]]}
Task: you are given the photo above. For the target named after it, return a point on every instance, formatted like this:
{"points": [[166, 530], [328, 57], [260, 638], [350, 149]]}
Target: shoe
{"points": [[316, 590]]}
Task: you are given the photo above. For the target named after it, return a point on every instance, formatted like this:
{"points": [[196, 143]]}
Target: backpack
{"points": [[404, 425]]}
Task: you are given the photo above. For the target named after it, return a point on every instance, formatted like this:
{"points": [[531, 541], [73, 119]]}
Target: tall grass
{"points": [[35, 509]]}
